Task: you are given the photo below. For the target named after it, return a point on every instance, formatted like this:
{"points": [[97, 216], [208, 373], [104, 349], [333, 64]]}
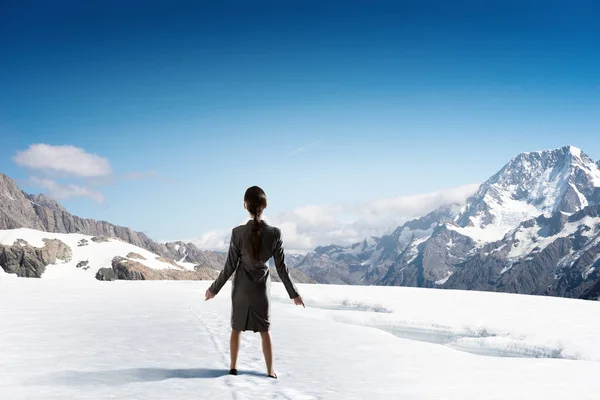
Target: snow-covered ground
{"points": [[98, 254], [85, 339]]}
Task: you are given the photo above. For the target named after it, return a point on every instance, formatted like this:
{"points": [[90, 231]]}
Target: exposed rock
{"points": [[374, 260], [55, 249], [593, 293], [296, 275], [136, 256], [82, 243], [188, 252], [132, 270], [82, 264], [25, 261], [206, 271], [100, 239], [106, 274], [28, 261], [169, 261], [21, 242], [21, 210], [16, 210], [565, 263]]}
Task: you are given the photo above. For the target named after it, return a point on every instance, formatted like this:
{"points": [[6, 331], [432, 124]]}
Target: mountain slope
{"points": [[16, 211], [368, 261], [21, 210], [531, 184], [557, 255], [531, 228], [33, 253]]}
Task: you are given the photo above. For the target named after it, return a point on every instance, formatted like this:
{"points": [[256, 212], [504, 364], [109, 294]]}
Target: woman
{"points": [[250, 248]]}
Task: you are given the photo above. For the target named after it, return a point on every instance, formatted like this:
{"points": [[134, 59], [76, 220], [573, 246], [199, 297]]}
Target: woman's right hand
{"points": [[298, 301], [208, 295]]}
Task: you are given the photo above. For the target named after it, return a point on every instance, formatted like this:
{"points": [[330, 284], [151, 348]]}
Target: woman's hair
{"points": [[256, 201]]}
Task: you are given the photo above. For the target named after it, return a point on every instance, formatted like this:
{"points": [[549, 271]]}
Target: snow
{"points": [[507, 214], [591, 269], [160, 340], [530, 239], [541, 187], [414, 248], [407, 234], [506, 268], [575, 151], [99, 255], [588, 272], [582, 200], [371, 241], [444, 280], [481, 236]]}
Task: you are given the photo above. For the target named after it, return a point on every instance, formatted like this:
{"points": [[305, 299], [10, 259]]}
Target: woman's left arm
{"points": [[231, 265]]}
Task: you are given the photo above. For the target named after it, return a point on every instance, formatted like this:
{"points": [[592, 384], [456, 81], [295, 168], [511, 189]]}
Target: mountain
{"points": [[368, 261], [21, 210], [34, 253], [554, 182], [38, 212], [531, 184], [188, 252], [532, 228], [557, 255]]}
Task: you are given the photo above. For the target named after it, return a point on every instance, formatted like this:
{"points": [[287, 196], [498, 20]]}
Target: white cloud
{"points": [[303, 148], [59, 191], [68, 160], [307, 227]]}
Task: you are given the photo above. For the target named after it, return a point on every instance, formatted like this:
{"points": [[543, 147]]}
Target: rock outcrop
{"points": [[125, 269], [27, 261], [136, 256], [106, 274], [21, 210]]}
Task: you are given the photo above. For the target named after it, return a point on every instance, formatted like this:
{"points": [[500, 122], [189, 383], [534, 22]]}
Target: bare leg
{"points": [[234, 347], [267, 348]]}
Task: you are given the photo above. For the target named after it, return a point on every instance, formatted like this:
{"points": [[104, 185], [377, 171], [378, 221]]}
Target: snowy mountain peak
{"points": [[532, 184]]}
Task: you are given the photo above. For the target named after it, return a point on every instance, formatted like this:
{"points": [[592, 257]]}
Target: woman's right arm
{"points": [[233, 258]]}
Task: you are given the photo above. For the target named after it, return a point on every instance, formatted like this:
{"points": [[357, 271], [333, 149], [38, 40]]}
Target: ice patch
{"points": [[480, 342], [528, 239], [588, 272], [506, 268], [444, 280]]}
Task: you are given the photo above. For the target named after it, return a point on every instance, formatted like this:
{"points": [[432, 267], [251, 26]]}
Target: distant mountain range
{"points": [[38, 212], [532, 228]]}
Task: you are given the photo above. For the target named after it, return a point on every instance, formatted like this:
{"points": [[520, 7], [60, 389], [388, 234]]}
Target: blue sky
{"points": [[318, 102]]}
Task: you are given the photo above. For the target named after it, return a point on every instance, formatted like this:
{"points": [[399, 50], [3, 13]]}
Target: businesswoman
{"points": [[250, 248]]}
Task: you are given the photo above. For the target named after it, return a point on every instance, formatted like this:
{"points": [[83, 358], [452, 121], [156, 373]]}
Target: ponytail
{"points": [[257, 228], [256, 201]]}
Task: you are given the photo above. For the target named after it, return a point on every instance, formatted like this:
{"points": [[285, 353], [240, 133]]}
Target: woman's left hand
{"points": [[209, 295]]}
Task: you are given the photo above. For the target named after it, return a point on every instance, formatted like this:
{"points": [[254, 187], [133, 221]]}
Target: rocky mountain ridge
{"points": [[22, 210], [531, 228]]}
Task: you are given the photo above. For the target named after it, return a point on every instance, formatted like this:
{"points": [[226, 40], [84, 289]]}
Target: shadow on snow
{"points": [[133, 375]]}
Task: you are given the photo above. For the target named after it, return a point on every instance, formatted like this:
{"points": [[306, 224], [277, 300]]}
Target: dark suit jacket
{"points": [[252, 276]]}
